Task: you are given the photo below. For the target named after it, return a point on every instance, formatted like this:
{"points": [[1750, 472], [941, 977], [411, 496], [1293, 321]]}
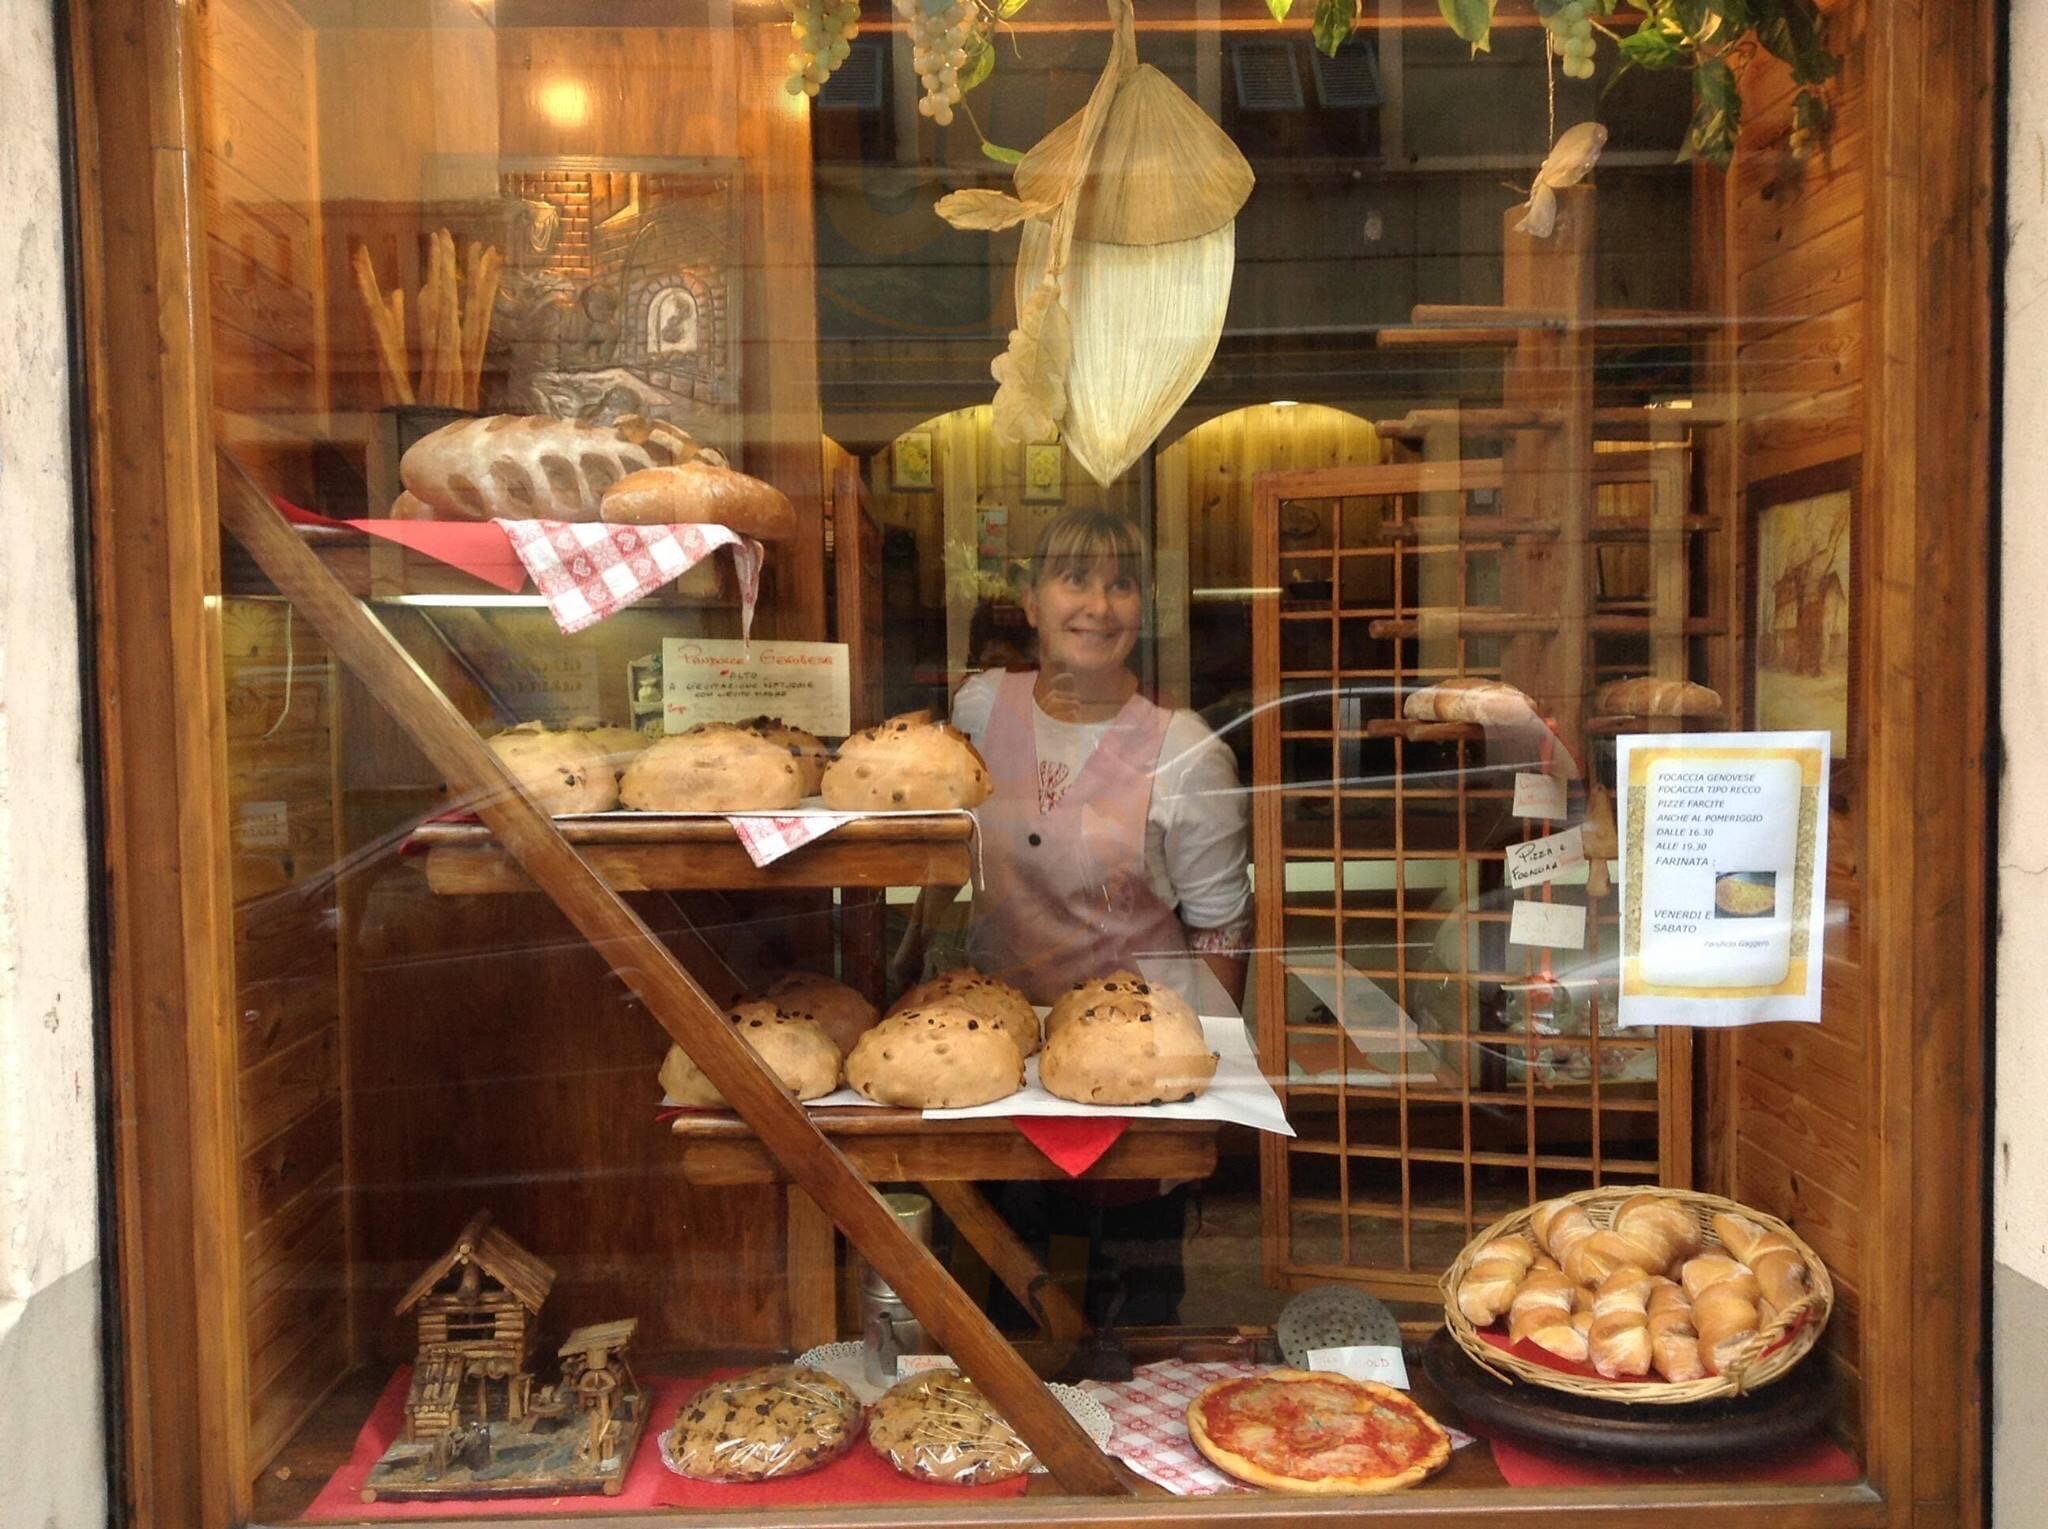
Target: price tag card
{"points": [[1539, 796], [714, 679], [917, 1364], [1557, 926], [1363, 1361], [1545, 859]]}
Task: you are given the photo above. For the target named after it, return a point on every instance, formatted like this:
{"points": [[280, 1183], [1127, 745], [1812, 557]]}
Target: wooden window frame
{"points": [[1927, 543]]}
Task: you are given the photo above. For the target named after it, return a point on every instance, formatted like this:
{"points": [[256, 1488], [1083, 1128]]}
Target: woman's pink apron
{"points": [[1064, 895]]}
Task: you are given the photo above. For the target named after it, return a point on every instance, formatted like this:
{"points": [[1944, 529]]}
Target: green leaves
{"points": [[1336, 20], [1652, 48], [980, 65], [1001, 155], [1279, 8], [1470, 19]]}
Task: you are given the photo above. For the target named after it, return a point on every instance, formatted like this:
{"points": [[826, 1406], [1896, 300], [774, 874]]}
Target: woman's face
{"points": [[1087, 617]]}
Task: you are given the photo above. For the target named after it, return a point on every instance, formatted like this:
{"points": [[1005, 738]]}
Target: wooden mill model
{"points": [[477, 1305]]}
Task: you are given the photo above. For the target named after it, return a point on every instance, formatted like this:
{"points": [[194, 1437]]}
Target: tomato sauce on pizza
{"points": [[1315, 1432]]}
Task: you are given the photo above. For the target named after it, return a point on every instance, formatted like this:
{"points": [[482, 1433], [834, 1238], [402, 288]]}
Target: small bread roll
{"points": [[798, 1051], [905, 766], [1120, 984], [698, 493], [1127, 1051], [712, 768], [563, 772], [807, 749], [937, 1057], [994, 1000], [842, 1013]]}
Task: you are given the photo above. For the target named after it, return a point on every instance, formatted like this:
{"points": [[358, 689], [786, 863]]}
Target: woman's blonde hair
{"points": [[1080, 539]]}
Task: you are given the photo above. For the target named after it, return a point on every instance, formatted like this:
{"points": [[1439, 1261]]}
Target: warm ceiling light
{"points": [[565, 103], [1285, 403]]}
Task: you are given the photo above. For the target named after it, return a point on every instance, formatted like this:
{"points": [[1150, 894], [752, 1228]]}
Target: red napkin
{"points": [[1818, 1461], [477, 547], [1072, 1143], [856, 1477]]}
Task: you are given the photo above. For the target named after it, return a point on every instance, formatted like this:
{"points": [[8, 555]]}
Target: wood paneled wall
{"points": [[1787, 1105], [279, 691], [261, 171]]}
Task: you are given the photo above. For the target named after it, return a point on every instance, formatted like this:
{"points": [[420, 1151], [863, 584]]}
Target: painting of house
{"points": [[1802, 615]]}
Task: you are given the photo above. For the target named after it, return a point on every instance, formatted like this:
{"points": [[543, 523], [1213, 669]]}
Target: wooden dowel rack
{"points": [[1492, 623]]}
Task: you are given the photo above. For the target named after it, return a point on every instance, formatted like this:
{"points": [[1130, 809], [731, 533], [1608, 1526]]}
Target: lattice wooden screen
{"points": [[1437, 1075]]}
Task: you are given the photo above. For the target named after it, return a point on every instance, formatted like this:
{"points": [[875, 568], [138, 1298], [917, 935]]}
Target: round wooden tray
{"points": [[1754, 1423]]}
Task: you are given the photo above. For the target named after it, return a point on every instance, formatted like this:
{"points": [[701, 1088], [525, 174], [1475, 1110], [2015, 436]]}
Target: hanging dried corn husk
{"points": [[1130, 236], [1570, 160]]}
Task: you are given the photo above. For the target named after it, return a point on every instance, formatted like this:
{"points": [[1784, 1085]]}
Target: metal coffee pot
{"points": [[888, 1330]]}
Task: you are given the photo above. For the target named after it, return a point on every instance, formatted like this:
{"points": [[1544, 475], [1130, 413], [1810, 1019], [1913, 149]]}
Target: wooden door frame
{"points": [[155, 556]]}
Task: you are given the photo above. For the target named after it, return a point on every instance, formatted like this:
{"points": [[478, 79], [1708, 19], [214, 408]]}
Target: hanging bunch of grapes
{"points": [[823, 32], [1569, 24], [949, 45]]}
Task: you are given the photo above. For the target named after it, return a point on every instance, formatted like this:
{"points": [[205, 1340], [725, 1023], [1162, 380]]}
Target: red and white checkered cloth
{"points": [[1149, 1416], [588, 570], [767, 837]]}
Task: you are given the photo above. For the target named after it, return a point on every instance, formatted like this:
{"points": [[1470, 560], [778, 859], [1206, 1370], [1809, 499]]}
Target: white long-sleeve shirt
{"points": [[1197, 829]]}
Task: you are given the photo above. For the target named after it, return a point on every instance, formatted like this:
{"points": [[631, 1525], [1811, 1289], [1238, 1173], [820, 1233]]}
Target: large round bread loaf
{"points": [[1123, 984], [842, 1013], [807, 749], [532, 467], [798, 1051], [564, 772], [1466, 698], [994, 1000], [1129, 1048], [937, 1426], [712, 768], [619, 745], [935, 1058], [906, 766], [770, 1422]]}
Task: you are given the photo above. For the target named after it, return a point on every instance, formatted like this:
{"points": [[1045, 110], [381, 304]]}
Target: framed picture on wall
{"points": [[910, 461], [1801, 529], [1045, 472]]}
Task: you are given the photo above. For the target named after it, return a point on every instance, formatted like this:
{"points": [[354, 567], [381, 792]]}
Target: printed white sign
{"points": [[1545, 859], [264, 825], [712, 679], [1725, 879], [1558, 926], [1539, 796], [1363, 1361]]}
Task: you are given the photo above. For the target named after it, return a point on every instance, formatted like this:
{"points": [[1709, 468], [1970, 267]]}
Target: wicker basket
{"points": [[1758, 1362]]}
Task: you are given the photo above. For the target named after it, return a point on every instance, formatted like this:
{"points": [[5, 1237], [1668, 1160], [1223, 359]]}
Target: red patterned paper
{"points": [[589, 570], [1149, 1417], [767, 837]]}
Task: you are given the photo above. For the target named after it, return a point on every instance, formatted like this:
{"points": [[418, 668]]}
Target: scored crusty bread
{"points": [[700, 493], [712, 768], [1464, 698], [532, 467], [1656, 698]]}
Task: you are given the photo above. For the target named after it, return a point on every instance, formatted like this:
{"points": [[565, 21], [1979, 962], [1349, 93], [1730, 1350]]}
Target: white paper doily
{"points": [[846, 1362]]}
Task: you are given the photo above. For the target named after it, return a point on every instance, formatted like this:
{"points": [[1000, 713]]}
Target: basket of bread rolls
{"points": [[1634, 1294]]}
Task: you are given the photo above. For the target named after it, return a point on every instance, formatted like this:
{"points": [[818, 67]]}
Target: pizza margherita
{"points": [[1305, 1432]]}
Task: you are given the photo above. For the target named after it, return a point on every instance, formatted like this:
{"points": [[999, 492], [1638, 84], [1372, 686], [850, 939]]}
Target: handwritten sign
{"points": [[1539, 796], [710, 679], [1724, 876], [1545, 859], [1363, 1361], [1556, 926]]}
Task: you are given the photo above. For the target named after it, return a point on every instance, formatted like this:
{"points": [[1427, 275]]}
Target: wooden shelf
{"points": [[901, 1146], [371, 568], [705, 855]]}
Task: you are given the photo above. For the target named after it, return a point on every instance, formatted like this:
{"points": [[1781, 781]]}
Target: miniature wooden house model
{"points": [[477, 1306]]}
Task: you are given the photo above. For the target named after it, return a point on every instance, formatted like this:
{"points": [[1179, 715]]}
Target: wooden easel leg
{"points": [[1009, 1259]]}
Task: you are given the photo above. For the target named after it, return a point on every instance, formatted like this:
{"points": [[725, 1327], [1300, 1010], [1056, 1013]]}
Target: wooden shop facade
{"points": [[1476, 409]]}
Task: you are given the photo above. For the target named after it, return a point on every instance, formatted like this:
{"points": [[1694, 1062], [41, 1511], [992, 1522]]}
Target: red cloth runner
{"points": [[1071, 1142], [1818, 1461], [856, 1477], [477, 547]]}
